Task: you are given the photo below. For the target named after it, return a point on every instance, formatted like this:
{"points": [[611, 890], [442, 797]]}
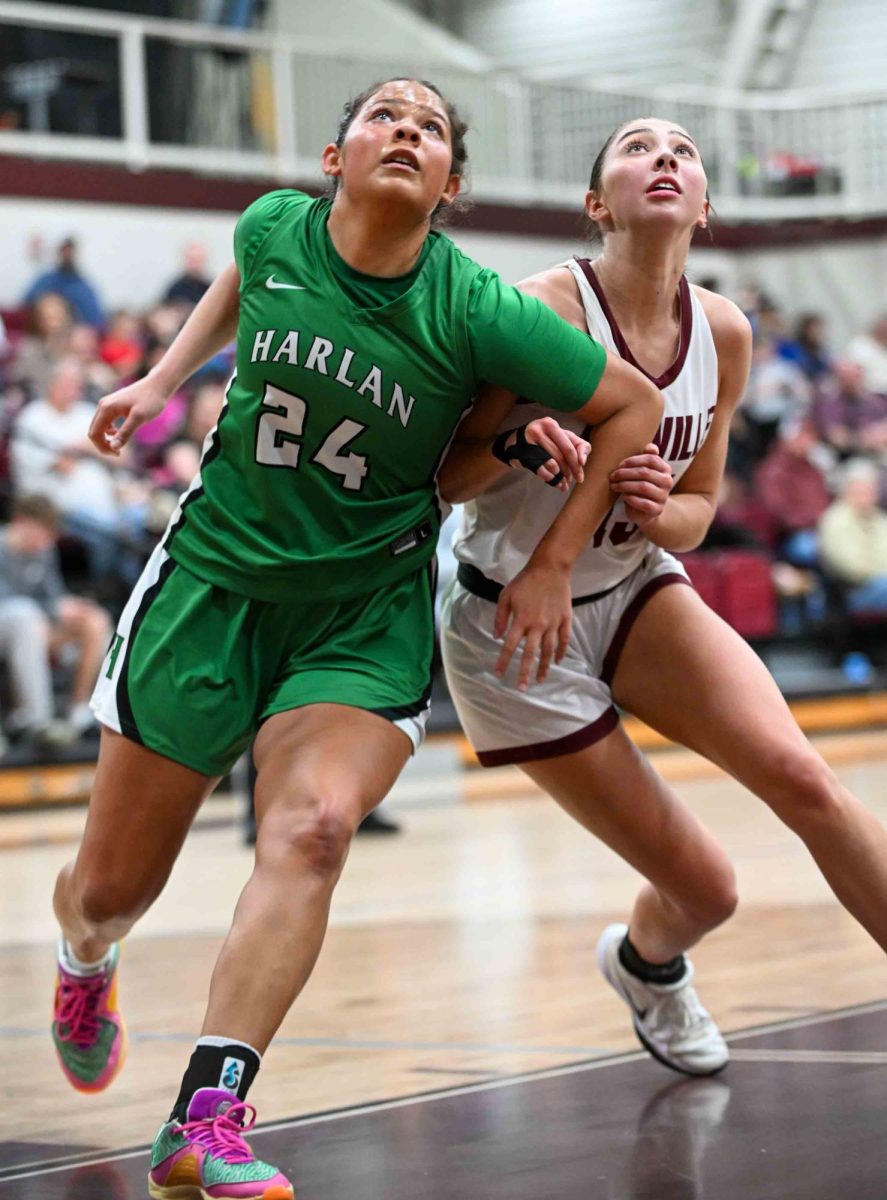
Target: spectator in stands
{"points": [[44, 345], [38, 619], [763, 314], [849, 417], [737, 520], [66, 280], [122, 345], [791, 486], [777, 392], [51, 454], [869, 350], [204, 409], [853, 538], [807, 349], [98, 378], [189, 287]]}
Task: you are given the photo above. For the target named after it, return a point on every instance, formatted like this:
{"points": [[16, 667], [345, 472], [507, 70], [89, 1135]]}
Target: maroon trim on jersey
{"points": [[631, 614], [563, 745], [671, 373]]}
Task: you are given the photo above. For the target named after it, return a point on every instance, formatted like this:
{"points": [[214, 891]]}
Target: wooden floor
{"points": [[460, 951]]}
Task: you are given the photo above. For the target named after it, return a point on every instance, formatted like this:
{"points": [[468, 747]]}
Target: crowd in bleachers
{"points": [[800, 538], [89, 521], [805, 491]]}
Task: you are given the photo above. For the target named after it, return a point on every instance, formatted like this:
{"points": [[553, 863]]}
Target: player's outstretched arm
{"points": [[209, 328]]}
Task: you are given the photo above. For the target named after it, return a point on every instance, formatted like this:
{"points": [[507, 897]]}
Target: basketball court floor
{"points": [[456, 1040]]}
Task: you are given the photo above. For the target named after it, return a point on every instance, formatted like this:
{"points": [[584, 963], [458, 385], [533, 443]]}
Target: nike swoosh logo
{"points": [[271, 282]]}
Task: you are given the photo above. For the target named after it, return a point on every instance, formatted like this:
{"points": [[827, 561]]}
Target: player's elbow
{"points": [[453, 484], [652, 403], [450, 490]]}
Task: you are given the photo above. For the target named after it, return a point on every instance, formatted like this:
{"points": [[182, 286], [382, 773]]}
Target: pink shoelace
{"points": [[222, 1134], [80, 999]]}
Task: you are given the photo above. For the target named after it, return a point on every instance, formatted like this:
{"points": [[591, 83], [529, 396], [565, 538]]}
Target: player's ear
{"points": [[702, 219], [451, 191], [596, 210], [331, 160]]}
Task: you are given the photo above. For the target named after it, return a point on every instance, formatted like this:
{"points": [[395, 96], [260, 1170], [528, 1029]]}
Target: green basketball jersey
{"points": [[319, 480]]}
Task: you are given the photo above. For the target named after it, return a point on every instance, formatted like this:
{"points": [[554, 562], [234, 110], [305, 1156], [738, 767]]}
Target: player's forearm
{"points": [[682, 524], [468, 470], [625, 433], [210, 327]]}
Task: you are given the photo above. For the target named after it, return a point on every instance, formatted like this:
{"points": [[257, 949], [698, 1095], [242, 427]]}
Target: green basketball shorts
{"points": [[193, 669]]}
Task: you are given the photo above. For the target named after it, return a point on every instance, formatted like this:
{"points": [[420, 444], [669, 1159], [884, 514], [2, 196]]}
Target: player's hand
{"points": [[569, 452], [644, 482], [132, 406], [536, 608]]}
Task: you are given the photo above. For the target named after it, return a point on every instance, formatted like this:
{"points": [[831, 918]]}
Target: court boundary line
{"points": [[53, 1166]]}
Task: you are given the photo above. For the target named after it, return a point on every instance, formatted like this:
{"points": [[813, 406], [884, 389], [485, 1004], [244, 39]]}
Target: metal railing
{"points": [[145, 92]]}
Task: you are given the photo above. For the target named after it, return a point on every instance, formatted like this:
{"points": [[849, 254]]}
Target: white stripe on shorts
{"points": [[104, 696]]}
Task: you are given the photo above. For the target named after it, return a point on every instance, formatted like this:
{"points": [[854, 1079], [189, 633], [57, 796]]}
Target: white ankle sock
{"points": [[74, 966]]}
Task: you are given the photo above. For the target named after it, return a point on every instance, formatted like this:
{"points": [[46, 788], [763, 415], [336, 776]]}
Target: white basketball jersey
{"points": [[501, 528]]}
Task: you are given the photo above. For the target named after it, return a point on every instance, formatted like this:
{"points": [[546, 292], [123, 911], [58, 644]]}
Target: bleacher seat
{"points": [[738, 585], [748, 597]]}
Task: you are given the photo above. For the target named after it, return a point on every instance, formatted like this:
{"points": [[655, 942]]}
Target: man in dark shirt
{"points": [[189, 287], [792, 488], [66, 281]]}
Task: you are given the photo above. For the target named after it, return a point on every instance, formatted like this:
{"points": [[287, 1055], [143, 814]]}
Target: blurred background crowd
{"points": [[79, 525], [799, 545]]}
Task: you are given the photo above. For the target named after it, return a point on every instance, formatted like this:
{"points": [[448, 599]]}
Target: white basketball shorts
{"points": [[574, 707]]}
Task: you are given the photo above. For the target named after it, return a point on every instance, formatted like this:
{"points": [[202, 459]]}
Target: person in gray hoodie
{"points": [[38, 620]]}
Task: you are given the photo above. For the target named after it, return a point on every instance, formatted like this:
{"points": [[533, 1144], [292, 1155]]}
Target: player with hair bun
{"points": [[641, 638]]}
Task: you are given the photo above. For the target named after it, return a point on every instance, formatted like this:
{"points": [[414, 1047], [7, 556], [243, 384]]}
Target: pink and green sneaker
{"points": [[87, 1028], [208, 1157]]}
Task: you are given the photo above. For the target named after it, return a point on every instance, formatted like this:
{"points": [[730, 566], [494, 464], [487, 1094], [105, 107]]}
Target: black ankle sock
{"points": [[232, 1066], [669, 972]]}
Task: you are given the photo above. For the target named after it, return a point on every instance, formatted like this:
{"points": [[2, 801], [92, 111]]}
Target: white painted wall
{"points": [[658, 43], [844, 46], [129, 254], [599, 41], [378, 26], [132, 254]]}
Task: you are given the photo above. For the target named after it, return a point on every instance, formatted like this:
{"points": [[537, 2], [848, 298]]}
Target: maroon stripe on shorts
{"points": [[631, 614], [569, 744]]}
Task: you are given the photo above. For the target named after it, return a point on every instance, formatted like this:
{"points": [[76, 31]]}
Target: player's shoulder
{"points": [[730, 327], [277, 202], [556, 288]]}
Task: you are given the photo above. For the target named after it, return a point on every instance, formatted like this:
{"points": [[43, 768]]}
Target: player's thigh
{"points": [[612, 791], [320, 769], [140, 809], [185, 671], [686, 673]]}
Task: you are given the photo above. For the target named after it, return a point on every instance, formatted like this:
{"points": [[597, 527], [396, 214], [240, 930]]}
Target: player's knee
{"points": [[805, 789], [715, 901], [723, 897], [106, 906], [318, 835]]}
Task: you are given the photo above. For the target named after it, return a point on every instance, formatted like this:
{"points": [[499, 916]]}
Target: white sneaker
{"points": [[668, 1018]]}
